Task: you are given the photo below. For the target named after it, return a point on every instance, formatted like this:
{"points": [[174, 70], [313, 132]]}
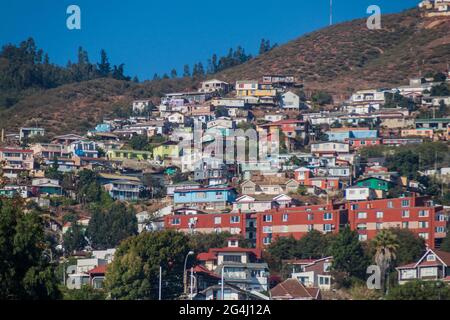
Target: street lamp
{"points": [[190, 253]]}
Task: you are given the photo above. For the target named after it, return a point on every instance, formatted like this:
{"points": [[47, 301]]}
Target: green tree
{"points": [[440, 90], [173, 73], [111, 224], [104, 68], [420, 290], [221, 112], [139, 142], [322, 98], [85, 293], [134, 273], [410, 246], [314, 245], [25, 271], [440, 77], [445, 245], [186, 71], [385, 244], [74, 238], [349, 256]]}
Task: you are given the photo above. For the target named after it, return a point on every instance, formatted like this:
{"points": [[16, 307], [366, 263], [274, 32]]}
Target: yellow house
{"points": [[166, 150], [128, 154]]}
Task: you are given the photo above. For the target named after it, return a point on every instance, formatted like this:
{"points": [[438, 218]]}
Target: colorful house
{"points": [[380, 186], [169, 149], [206, 198], [128, 154]]}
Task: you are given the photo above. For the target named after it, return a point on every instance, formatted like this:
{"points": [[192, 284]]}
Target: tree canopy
{"points": [[134, 273], [25, 270]]}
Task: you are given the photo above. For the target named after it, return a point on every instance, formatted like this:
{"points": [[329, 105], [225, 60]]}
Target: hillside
{"points": [[337, 59], [349, 56]]}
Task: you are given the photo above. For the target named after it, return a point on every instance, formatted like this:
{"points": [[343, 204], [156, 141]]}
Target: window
{"points": [[267, 218], [201, 195], [362, 237], [217, 230], [362, 215], [324, 281], [405, 225], [423, 235], [354, 206], [361, 226], [310, 227], [423, 224], [327, 227], [431, 257], [379, 225], [232, 258], [405, 203], [405, 214], [175, 221], [310, 216], [440, 229], [267, 240], [235, 230], [235, 219], [390, 204], [327, 267], [285, 217], [380, 214], [267, 229], [328, 216], [217, 220], [423, 213]]}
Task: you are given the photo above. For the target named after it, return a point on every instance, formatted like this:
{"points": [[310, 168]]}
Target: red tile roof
{"points": [[293, 289], [16, 150], [100, 269]]}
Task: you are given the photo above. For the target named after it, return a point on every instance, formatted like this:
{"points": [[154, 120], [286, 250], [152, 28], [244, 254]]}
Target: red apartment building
{"points": [[417, 214], [235, 223], [298, 221]]}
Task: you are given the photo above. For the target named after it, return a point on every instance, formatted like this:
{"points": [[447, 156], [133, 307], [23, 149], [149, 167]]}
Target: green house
{"points": [[375, 184]]}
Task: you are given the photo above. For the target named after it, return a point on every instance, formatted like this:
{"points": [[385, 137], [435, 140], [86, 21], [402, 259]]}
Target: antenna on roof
{"points": [[331, 12]]}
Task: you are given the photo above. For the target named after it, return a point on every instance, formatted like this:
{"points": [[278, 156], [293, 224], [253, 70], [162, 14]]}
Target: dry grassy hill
{"points": [[338, 59], [349, 56]]}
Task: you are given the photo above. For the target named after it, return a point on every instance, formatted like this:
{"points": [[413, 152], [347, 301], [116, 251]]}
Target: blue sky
{"points": [[157, 35]]}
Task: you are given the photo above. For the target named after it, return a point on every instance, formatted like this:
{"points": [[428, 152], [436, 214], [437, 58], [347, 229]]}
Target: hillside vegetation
{"points": [[338, 59]]}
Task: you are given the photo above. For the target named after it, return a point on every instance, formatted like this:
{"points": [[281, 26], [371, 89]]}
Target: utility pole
{"points": [[192, 283], [160, 282], [221, 284]]}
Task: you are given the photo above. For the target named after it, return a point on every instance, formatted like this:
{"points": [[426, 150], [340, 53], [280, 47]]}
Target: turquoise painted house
{"points": [[216, 198]]}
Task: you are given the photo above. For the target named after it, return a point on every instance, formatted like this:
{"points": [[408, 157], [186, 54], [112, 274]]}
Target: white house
{"points": [[214, 85], [176, 117], [330, 148], [290, 100], [141, 105], [357, 193], [274, 117]]}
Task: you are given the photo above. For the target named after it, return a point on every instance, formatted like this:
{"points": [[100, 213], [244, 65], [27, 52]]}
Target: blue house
{"points": [[342, 134], [215, 198], [103, 127]]}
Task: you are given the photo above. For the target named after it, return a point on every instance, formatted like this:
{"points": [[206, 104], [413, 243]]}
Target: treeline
{"points": [[215, 64], [25, 66]]}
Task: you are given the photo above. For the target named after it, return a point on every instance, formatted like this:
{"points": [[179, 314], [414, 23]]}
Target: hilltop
{"points": [[349, 56], [338, 59]]}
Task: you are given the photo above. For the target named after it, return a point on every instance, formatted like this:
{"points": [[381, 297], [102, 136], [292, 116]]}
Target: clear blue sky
{"points": [[157, 35]]}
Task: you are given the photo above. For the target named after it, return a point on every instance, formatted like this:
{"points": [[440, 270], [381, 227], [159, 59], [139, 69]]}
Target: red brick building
{"points": [[298, 221], [417, 214], [235, 223]]}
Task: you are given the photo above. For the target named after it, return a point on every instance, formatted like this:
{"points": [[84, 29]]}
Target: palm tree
{"points": [[386, 244]]}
